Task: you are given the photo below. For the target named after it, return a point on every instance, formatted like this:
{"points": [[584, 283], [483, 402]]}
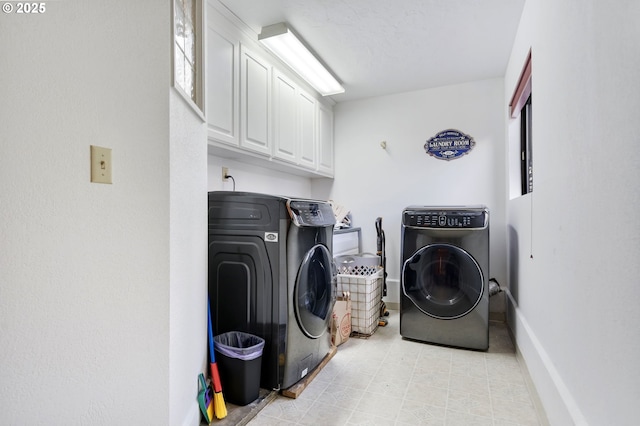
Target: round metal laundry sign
{"points": [[449, 144]]}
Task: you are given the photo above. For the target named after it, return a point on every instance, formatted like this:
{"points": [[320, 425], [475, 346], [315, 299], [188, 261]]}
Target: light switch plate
{"points": [[100, 164]]}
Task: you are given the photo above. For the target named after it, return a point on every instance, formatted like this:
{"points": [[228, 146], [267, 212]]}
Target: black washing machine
{"points": [[445, 276], [271, 274]]}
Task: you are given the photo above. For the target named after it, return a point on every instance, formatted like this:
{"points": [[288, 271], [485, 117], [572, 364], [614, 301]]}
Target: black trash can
{"points": [[239, 356]]}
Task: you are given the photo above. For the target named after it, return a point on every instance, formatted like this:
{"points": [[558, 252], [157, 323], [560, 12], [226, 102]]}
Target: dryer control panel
{"points": [[311, 213], [442, 218]]}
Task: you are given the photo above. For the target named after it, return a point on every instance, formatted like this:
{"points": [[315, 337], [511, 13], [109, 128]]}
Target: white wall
{"points": [[573, 304], [188, 265], [252, 178], [373, 182], [88, 269]]}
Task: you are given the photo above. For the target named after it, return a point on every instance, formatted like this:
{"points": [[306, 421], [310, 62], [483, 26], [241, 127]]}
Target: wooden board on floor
{"points": [[241, 415], [295, 390]]}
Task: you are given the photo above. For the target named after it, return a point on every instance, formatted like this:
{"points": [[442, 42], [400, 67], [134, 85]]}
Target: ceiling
{"points": [[380, 47]]}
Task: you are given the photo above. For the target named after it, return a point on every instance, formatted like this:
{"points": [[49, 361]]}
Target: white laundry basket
{"points": [[362, 277]]}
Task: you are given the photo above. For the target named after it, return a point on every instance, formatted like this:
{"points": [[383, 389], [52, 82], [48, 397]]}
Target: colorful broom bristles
{"points": [[219, 407]]}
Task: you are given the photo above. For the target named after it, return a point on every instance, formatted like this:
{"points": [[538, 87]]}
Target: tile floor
{"points": [[385, 380]]}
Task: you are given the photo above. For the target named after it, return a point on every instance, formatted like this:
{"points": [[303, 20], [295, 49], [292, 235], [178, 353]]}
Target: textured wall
{"points": [[188, 267], [373, 182], [252, 178], [84, 289], [573, 302]]}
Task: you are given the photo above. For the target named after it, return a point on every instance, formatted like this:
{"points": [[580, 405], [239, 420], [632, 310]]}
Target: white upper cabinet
{"points": [[255, 96], [325, 140], [307, 130], [258, 110], [285, 146], [221, 82]]}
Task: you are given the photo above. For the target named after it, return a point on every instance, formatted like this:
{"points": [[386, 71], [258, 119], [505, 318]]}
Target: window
{"points": [[526, 158], [521, 107], [187, 51]]}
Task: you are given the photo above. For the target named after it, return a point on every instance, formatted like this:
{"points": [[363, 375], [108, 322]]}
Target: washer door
{"points": [[443, 281], [314, 291]]}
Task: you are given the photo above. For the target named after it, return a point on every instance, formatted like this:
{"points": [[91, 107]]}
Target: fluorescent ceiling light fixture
{"points": [[292, 51]]}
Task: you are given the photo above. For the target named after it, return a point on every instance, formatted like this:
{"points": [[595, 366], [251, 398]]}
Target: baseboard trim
{"points": [[498, 317], [393, 306], [556, 402]]}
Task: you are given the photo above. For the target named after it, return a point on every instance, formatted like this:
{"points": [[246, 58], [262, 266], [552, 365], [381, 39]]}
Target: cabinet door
{"points": [[284, 119], [325, 140], [307, 130], [255, 93], [222, 87]]}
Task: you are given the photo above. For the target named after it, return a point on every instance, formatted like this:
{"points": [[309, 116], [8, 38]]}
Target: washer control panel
{"points": [[311, 213], [440, 218]]}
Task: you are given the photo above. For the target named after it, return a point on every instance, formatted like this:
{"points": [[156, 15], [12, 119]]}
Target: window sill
{"points": [[196, 109]]}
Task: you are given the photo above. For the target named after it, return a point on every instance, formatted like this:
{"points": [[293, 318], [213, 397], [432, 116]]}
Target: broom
{"points": [[219, 407]]}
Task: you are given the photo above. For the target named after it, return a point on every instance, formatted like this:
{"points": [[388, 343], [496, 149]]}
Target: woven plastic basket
{"points": [[361, 264], [366, 296]]}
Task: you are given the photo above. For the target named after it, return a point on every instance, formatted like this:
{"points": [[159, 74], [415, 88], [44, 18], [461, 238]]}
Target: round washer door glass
{"points": [[443, 281], [313, 292]]}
